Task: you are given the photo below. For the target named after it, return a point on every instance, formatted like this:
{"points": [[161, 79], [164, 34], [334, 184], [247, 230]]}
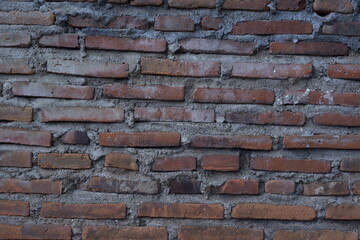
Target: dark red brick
{"points": [[248, 5], [281, 187], [15, 66], [14, 113], [15, 159], [64, 161], [342, 28], [168, 164], [343, 212], [133, 233], [185, 186], [33, 231], [345, 71], [290, 5], [314, 235], [14, 208], [123, 22], [123, 161], [322, 142], [42, 186], [337, 119], [272, 118], [220, 162], [25, 137], [350, 165], [238, 187], [27, 18], [75, 137], [266, 27], [326, 189], [309, 48], [146, 2], [60, 40], [15, 39], [192, 3], [211, 23], [174, 24], [324, 7], [217, 233]]}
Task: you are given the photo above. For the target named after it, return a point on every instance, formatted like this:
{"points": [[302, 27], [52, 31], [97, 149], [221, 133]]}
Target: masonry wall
{"points": [[179, 119]]}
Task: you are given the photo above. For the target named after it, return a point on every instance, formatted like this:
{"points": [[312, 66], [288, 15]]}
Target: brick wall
{"points": [[179, 119]]}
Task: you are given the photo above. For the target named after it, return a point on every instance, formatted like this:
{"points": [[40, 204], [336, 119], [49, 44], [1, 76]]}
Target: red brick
{"points": [[265, 27], [15, 66], [192, 3], [140, 139], [350, 165], [25, 137], [309, 48], [134, 233], [15, 39], [174, 24], [185, 186], [48, 90], [216, 233], [168, 164], [75, 137], [290, 5], [60, 40], [154, 66], [272, 71], [290, 165], [243, 142], [273, 212], [211, 23], [238, 187], [159, 92], [64, 161], [118, 1], [173, 114], [220, 162], [284, 118], [181, 210], [83, 211], [14, 208], [126, 44], [71, 0], [32, 231], [112, 185], [146, 2], [42, 186], [14, 113], [82, 114], [337, 119], [123, 161], [249, 5], [317, 97], [215, 46], [89, 69], [356, 188], [27, 18], [124, 22], [343, 212], [324, 7], [239, 96], [345, 71], [15, 159], [342, 28], [314, 235], [322, 141], [282, 187], [326, 189]]}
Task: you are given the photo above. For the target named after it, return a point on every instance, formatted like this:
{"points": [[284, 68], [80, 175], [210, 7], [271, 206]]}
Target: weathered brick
{"points": [[314, 235], [356, 188], [83, 211], [123, 22], [243, 142], [49, 90], [282, 187], [15, 159], [342, 28], [33, 231], [168, 164], [220, 162], [174, 24], [350, 165], [25, 137], [326, 189], [273, 212], [112, 185], [27, 18], [192, 3], [322, 141], [309, 48], [14, 113], [249, 5], [173, 114], [15, 66], [60, 40], [215, 46], [290, 5], [337, 119], [272, 71], [284, 118], [126, 44], [181, 210], [290, 165], [64, 161], [343, 212], [217, 233], [82, 114], [146, 2], [123, 161], [118, 1], [345, 71], [75, 137], [89, 69], [266, 27], [159, 92], [14, 208], [42, 186], [324, 7], [238, 187], [154, 66], [134, 233], [140, 139], [15, 39], [71, 0], [184, 185], [211, 23], [239, 96]]}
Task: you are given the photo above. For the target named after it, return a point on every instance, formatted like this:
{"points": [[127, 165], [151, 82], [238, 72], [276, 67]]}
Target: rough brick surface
{"points": [[337, 119], [14, 208], [168, 164], [272, 27], [271, 118], [281, 187], [350, 165], [124, 22], [327, 189], [34, 231], [342, 28], [343, 212], [14, 113], [27, 18], [211, 23], [15, 159], [42, 186], [322, 141], [309, 48], [328, 6], [75, 137], [315, 235], [64, 161], [123, 161], [290, 5], [15, 66], [238, 187], [220, 162], [174, 24], [15, 39], [60, 41], [25, 137], [249, 5], [192, 3], [345, 71]]}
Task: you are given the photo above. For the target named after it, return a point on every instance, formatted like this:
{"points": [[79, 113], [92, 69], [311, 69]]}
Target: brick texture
{"points": [[16, 159], [35, 231], [64, 161], [42, 186], [272, 27], [25, 137]]}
